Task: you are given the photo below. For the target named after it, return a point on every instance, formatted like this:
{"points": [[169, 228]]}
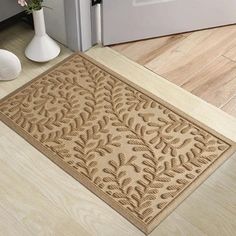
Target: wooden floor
{"points": [[202, 62], [38, 198]]}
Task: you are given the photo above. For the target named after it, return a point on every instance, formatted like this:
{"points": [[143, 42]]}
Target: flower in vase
{"points": [[23, 3], [31, 5]]}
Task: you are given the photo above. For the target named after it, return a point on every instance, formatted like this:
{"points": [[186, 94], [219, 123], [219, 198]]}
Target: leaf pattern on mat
{"points": [[138, 151]]}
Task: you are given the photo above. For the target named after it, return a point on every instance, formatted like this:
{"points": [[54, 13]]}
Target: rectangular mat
{"points": [[138, 153]]}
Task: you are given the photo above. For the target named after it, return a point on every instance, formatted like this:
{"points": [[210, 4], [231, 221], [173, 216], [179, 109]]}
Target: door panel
{"points": [[129, 20]]}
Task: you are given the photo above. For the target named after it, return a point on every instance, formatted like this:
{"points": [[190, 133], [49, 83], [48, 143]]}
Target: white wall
{"points": [[9, 8], [55, 20]]}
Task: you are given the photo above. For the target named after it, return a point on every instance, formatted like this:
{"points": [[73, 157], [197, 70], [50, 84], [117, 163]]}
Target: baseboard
{"points": [[22, 16]]}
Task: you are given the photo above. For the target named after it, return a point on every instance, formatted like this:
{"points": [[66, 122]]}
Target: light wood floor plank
{"points": [[192, 54], [178, 226], [222, 213], [231, 52], [10, 226], [218, 94], [216, 83], [30, 207], [144, 51], [230, 107]]}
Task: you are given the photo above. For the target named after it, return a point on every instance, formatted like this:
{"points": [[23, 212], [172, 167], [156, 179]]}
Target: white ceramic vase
{"points": [[10, 66], [42, 48]]}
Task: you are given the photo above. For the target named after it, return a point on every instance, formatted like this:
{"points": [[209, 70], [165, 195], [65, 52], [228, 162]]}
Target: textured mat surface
{"points": [[136, 152]]}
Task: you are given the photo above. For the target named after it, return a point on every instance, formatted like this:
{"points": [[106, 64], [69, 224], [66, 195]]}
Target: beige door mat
{"points": [[138, 153]]}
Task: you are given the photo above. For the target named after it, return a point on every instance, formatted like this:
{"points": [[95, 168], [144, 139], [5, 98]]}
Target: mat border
{"points": [[146, 228]]}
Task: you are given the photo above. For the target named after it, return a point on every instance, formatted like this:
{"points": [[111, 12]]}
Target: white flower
{"points": [[22, 3]]}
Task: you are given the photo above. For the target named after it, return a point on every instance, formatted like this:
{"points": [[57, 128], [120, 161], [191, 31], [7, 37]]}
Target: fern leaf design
{"points": [[118, 184], [122, 120], [137, 100], [91, 110], [90, 143]]}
